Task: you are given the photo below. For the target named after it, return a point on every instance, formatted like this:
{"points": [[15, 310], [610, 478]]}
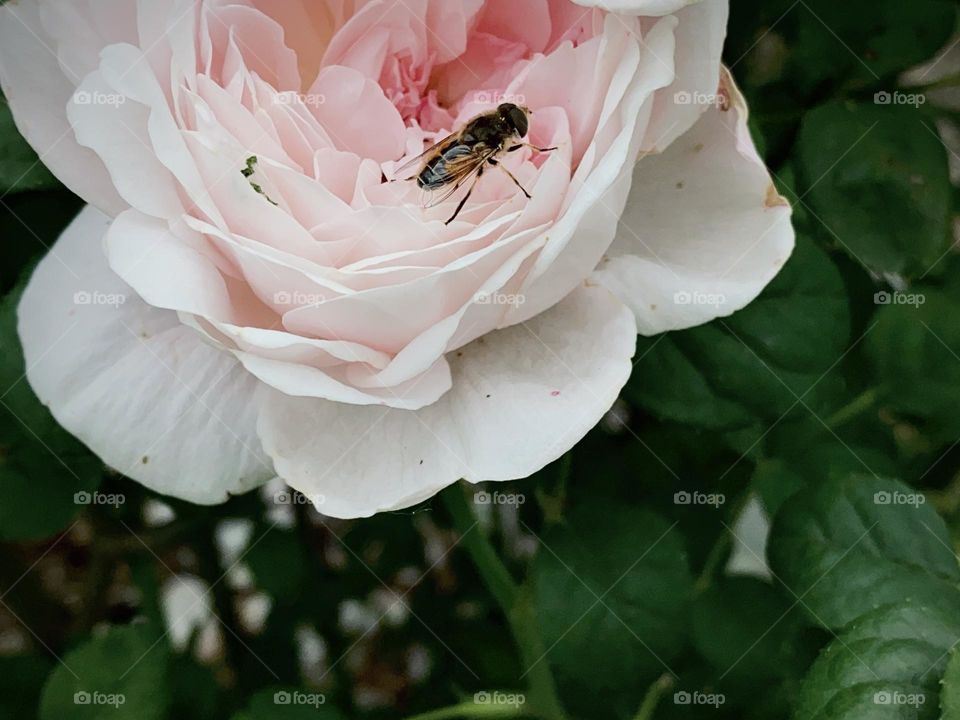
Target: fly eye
{"points": [[518, 118]]}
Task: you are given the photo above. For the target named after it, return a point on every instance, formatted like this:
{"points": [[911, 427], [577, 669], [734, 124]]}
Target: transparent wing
{"points": [[415, 163], [459, 170]]}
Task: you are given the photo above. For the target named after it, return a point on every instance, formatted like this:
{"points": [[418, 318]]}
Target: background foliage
{"points": [[595, 590]]}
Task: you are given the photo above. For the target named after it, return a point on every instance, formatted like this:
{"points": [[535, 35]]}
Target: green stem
{"points": [[495, 575], [718, 553], [472, 710], [855, 407], [516, 604], [652, 698], [552, 504]]}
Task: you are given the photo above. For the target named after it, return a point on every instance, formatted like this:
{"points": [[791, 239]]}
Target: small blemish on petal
{"points": [[555, 393], [774, 198], [698, 147], [680, 185]]}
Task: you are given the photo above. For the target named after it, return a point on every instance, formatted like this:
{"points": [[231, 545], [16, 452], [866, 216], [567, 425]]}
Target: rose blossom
{"points": [[288, 312]]}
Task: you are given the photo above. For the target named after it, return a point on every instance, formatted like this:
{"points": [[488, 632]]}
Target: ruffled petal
{"points": [[138, 387], [704, 230], [38, 90], [646, 8], [520, 398]]}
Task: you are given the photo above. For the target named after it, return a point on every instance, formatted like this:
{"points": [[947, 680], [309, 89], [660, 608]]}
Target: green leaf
{"points": [[612, 590], [867, 39], [285, 703], [121, 675], [887, 664], [775, 481], [20, 168], [803, 452], [950, 694], [755, 363], [747, 629], [876, 176], [850, 545], [42, 467], [923, 383]]}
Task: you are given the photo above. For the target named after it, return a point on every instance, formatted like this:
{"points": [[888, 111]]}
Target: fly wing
{"points": [[403, 172], [461, 164]]}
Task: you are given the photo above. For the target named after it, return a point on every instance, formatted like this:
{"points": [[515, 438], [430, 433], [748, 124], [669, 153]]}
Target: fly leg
{"points": [[516, 182], [532, 147], [465, 197]]}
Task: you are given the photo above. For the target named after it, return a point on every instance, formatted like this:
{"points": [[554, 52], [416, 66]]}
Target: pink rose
{"points": [[279, 309]]}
